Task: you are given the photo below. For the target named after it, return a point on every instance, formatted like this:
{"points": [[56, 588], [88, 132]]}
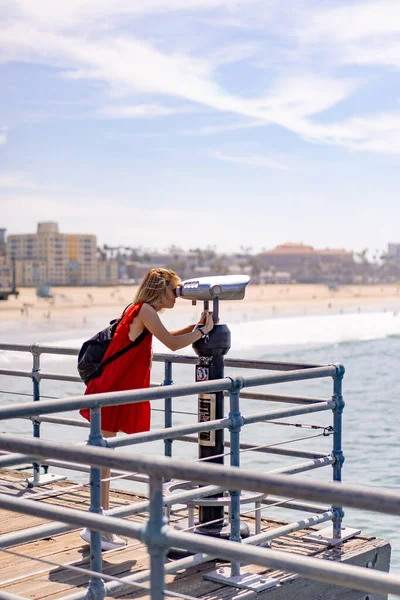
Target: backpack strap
{"points": [[131, 345]]}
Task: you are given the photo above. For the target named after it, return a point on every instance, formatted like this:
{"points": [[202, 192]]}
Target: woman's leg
{"points": [[105, 474], [109, 541]]}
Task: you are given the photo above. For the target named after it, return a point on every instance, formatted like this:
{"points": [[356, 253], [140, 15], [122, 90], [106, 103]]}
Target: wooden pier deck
{"points": [[24, 576]]}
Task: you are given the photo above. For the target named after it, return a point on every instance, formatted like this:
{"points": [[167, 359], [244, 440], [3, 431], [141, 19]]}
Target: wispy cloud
{"points": [[357, 21], [362, 33], [157, 71], [141, 110], [216, 129], [374, 132], [265, 162], [76, 12]]}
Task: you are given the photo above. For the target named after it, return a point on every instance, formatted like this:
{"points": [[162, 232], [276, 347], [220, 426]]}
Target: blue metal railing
{"points": [[158, 536], [234, 423]]}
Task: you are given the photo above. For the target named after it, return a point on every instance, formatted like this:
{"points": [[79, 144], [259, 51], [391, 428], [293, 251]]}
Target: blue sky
{"points": [[202, 122]]}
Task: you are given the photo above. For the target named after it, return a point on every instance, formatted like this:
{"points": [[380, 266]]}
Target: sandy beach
{"points": [[79, 303]]}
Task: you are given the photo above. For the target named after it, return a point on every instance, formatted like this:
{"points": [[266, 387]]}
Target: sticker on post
{"points": [[207, 404], [202, 373]]}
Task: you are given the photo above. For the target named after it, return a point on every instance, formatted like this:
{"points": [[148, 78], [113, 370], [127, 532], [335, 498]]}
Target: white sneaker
{"points": [[109, 541], [85, 535]]}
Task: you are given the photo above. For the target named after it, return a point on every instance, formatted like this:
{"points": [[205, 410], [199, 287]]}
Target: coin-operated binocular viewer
{"points": [[211, 351]]}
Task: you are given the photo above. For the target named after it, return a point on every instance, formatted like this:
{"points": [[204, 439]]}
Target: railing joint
{"points": [[238, 383], [338, 458], [35, 349], [339, 403], [339, 371]]}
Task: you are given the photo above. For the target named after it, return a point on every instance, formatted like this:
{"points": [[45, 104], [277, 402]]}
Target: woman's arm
{"points": [[189, 328], [173, 341]]}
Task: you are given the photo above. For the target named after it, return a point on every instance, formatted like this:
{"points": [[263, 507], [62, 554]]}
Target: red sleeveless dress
{"points": [[131, 371]]}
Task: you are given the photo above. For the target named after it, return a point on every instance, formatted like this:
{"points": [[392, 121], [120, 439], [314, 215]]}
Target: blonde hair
{"points": [[154, 285]]}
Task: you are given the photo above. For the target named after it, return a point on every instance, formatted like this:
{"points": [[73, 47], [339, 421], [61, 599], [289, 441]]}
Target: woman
{"points": [[132, 370]]}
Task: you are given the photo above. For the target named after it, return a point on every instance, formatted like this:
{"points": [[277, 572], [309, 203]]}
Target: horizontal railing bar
{"points": [[172, 358], [15, 373], [85, 469], [247, 395], [167, 433], [131, 396], [237, 362], [289, 412], [292, 470], [40, 376], [40, 349], [268, 365], [111, 398], [8, 596], [298, 375], [170, 432], [60, 421], [193, 439], [12, 459], [231, 478], [305, 466], [293, 504], [313, 568], [58, 377], [276, 532], [279, 398]]}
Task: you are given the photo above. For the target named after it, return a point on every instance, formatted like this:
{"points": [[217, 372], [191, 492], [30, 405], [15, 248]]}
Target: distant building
{"points": [[2, 241], [306, 264], [54, 258], [5, 273], [393, 251]]}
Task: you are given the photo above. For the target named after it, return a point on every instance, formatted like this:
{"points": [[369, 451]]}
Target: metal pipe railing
{"points": [[226, 477], [125, 397], [235, 421], [269, 449], [337, 574]]}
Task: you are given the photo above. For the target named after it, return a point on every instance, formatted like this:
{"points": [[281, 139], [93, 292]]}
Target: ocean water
{"points": [[367, 343]]}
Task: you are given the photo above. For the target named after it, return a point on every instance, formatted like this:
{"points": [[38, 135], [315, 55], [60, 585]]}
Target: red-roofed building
{"points": [[307, 264]]}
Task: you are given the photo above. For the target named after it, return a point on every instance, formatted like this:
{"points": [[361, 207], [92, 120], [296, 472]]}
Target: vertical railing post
{"points": [[155, 546], [167, 406], [234, 429], [96, 589], [36, 397], [337, 444]]}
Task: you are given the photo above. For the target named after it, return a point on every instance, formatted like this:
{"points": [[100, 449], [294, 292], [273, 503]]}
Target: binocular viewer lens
{"points": [[223, 287]]}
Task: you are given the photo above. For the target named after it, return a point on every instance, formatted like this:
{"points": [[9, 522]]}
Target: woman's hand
{"points": [[203, 317], [208, 324], [207, 321]]}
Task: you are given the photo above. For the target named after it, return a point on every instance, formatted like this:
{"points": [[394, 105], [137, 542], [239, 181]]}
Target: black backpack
{"points": [[90, 358]]}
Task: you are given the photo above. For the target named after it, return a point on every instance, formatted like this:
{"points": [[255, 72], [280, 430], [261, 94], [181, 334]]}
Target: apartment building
{"points": [[54, 258]]}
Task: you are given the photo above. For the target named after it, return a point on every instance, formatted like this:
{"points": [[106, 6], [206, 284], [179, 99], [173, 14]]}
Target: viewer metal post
{"points": [[168, 407]]}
